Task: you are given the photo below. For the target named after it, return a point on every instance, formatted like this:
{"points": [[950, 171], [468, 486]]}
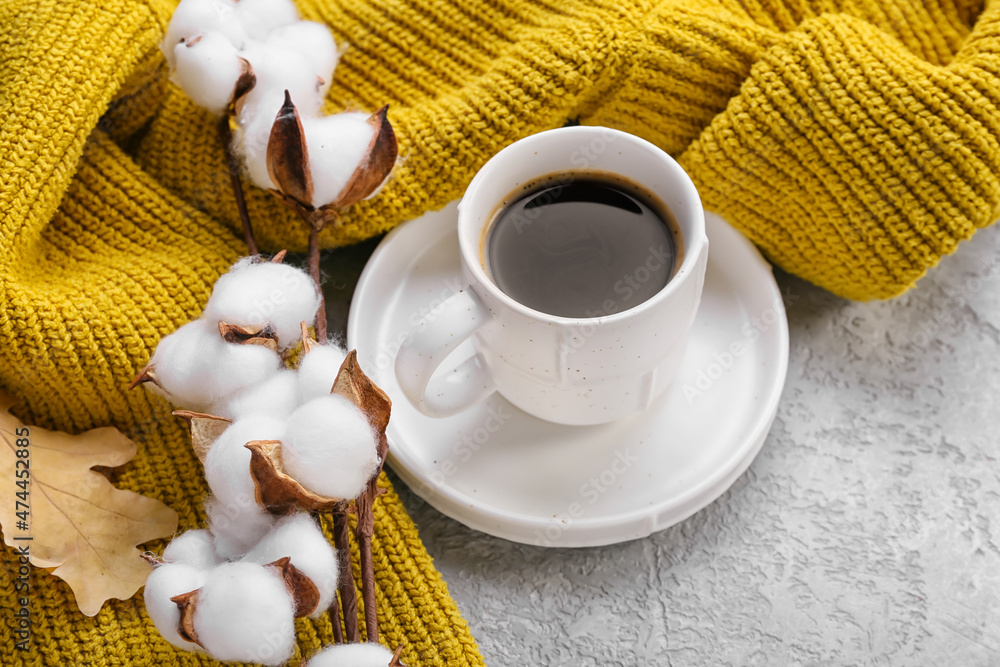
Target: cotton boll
{"points": [[163, 583], [337, 144], [262, 16], [236, 527], [265, 293], [276, 397], [246, 613], [227, 464], [195, 367], [313, 40], [195, 548], [352, 655], [318, 371], [330, 447], [235, 519], [277, 69], [197, 16], [255, 120], [298, 537], [207, 68]]}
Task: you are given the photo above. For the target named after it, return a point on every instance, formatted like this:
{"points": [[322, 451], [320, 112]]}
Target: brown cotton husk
{"points": [[288, 166], [276, 491], [151, 558], [304, 592], [396, 661], [245, 83], [281, 494], [288, 156], [205, 429], [353, 384], [248, 335], [147, 374], [187, 603], [308, 342], [375, 166], [279, 257]]}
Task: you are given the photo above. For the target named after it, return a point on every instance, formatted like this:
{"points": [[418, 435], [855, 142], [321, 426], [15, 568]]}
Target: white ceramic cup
{"points": [[566, 370]]}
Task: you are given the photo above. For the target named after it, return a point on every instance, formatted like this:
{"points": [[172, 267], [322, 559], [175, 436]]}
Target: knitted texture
{"points": [[854, 142], [98, 262]]}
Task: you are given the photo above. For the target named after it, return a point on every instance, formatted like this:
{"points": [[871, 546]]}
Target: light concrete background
{"points": [[865, 533]]}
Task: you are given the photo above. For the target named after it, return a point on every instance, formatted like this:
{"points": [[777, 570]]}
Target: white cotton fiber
{"points": [[250, 145], [236, 526], [262, 16], [235, 519], [300, 538], [337, 144], [330, 447], [352, 655], [315, 42], [207, 68], [277, 69], [163, 583], [227, 464], [197, 16], [278, 396], [195, 548], [246, 613], [318, 371], [195, 367], [264, 293]]}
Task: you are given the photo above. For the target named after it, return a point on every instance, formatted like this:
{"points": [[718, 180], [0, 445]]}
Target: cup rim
{"points": [[693, 248]]}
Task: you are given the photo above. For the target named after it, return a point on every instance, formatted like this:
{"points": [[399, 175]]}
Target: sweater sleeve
{"points": [[854, 143], [98, 260]]}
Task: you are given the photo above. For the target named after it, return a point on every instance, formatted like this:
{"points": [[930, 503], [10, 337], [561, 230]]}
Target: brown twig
{"points": [[338, 629], [365, 532], [348, 594], [396, 662], [232, 163], [315, 228]]}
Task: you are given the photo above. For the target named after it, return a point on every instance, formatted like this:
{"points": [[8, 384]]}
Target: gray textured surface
{"points": [[865, 533]]}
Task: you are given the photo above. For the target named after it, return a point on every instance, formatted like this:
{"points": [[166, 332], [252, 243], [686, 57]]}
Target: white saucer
{"points": [[501, 471]]}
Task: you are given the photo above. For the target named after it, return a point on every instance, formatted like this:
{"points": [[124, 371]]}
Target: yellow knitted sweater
{"points": [[854, 141]]}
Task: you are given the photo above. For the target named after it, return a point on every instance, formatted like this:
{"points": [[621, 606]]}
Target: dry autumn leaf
{"points": [[78, 522]]}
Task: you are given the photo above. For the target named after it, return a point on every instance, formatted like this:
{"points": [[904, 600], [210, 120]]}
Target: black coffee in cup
{"points": [[581, 244]]}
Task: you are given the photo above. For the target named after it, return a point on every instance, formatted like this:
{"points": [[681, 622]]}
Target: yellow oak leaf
{"points": [[68, 516]]}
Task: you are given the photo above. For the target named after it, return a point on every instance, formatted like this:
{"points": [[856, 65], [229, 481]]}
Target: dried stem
{"points": [[365, 532], [338, 629], [314, 231], [348, 594], [232, 163], [366, 519]]}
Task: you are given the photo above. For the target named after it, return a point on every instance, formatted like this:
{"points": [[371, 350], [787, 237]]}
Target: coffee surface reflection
{"points": [[581, 249]]}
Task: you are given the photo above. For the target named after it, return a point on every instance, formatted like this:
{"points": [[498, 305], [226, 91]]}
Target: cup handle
{"points": [[429, 343]]}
